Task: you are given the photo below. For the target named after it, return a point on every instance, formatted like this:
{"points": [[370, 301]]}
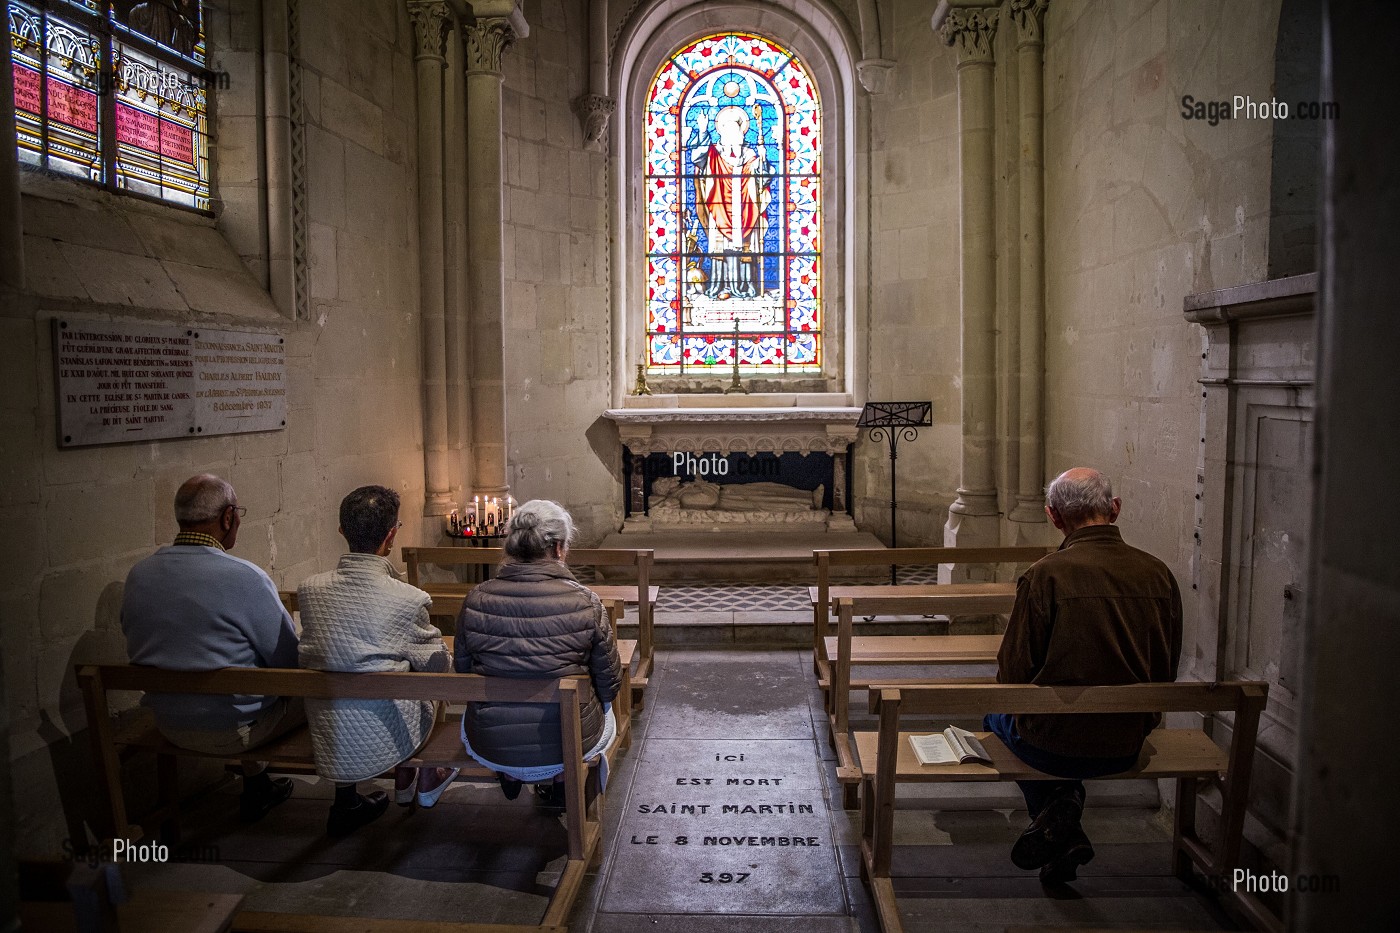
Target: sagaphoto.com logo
{"points": [[1244, 107]]}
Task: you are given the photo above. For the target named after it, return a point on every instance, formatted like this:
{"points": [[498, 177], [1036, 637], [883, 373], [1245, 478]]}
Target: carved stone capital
{"points": [[593, 111], [486, 41], [1029, 16], [970, 32], [874, 74], [429, 27]]}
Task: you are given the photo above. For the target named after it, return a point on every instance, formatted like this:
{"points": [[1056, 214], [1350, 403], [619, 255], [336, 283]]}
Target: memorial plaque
{"points": [[726, 827], [120, 381]]}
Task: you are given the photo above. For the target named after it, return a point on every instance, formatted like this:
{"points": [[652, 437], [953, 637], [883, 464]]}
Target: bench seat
{"points": [[1167, 753]]}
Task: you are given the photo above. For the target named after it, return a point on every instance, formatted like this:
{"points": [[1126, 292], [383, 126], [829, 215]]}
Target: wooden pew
{"points": [[1188, 755], [848, 650], [823, 602], [443, 748], [447, 597]]}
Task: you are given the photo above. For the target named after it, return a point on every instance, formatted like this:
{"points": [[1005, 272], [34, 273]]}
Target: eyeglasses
{"points": [[239, 510]]}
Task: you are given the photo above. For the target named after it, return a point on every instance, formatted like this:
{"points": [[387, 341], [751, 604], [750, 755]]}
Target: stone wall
{"points": [[78, 519], [558, 320], [1142, 209], [913, 349]]}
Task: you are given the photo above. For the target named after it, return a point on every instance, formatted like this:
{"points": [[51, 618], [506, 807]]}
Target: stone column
{"points": [[486, 41], [1029, 16], [11, 225], [972, 518], [429, 24], [458, 256]]}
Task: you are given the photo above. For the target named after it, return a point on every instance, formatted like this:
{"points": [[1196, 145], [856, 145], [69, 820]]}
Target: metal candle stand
{"points": [[891, 421]]}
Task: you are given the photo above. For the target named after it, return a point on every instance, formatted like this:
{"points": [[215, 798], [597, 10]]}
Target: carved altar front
{"points": [[720, 430]]}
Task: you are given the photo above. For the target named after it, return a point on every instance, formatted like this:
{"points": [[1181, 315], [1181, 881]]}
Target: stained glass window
{"points": [[114, 91], [733, 210]]}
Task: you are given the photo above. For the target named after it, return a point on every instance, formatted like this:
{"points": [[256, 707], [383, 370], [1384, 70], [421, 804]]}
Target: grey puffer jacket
{"points": [[534, 620]]}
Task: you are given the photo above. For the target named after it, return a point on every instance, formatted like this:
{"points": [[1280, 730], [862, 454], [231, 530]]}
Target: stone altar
{"points": [[722, 425]]}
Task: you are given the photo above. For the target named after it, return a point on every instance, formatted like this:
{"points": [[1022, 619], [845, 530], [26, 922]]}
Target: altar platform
{"points": [[738, 556]]}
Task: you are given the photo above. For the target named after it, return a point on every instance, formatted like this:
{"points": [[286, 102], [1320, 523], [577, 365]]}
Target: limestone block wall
{"points": [[911, 138], [558, 366], [76, 520], [1142, 209]]}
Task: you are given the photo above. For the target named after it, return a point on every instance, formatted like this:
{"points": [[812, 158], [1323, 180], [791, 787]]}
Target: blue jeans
{"points": [[1040, 793]]}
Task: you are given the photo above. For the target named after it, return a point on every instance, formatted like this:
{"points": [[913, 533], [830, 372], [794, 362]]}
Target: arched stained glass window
{"points": [[733, 210], [148, 58]]}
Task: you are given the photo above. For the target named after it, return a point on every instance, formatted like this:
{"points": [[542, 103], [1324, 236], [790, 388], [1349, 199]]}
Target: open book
{"points": [[949, 746]]}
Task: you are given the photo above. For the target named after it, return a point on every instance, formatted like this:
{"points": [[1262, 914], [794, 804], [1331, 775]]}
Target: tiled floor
{"points": [[749, 723]]}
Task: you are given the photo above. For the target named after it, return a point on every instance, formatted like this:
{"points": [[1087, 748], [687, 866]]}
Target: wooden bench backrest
{"points": [[327, 685], [974, 701], [892, 605], [911, 556], [567, 692], [449, 557], [915, 556], [642, 559]]}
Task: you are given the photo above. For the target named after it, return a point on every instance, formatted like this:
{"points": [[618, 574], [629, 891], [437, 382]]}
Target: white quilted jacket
{"points": [[362, 617]]}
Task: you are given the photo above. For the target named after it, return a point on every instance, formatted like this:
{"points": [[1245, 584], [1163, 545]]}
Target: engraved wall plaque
{"points": [[120, 381]]}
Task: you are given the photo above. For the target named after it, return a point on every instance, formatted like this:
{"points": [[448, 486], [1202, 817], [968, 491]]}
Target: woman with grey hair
{"points": [[534, 620]]}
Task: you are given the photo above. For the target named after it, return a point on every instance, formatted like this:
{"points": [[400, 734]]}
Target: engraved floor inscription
{"points": [[720, 826]]}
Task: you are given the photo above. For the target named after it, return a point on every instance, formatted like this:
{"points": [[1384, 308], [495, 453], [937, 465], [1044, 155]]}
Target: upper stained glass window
{"points": [[114, 91], [733, 210]]}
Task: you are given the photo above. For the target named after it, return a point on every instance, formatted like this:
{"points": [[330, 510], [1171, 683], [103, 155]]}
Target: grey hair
{"points": [[202, 498], [535, 528], [1084, 496]]}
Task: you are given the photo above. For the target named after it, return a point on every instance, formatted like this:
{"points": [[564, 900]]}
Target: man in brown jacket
{"points": [[1097, 611]]}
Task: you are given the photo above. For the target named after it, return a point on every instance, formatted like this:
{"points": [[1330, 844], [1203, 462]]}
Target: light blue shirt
{"points": [[191, 608]]}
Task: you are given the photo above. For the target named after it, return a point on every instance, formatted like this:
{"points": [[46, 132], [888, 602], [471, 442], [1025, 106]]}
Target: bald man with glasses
{"points": [[192, 606]]}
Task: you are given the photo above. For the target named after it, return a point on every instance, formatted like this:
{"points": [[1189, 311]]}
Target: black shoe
{"points": [[550, 796], [509, 786], [345, 820], [1066, 868], [1051, 834], [254, 805]]}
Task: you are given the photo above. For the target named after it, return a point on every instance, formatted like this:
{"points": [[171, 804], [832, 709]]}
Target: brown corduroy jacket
{"points": [[1097, 611]]}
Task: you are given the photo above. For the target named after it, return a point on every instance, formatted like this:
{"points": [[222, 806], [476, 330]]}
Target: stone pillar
{"points": [[429, 24], [486, 41], [458, 256], [11, 225], [1029, 16], [972, 518]]}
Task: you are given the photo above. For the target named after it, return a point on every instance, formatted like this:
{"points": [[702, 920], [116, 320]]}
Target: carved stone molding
{"points": [[874, 74], [750, 431], [971, 32], [486, 42], [429, 27], [1029, 16], [301, 212], [593, 112]]}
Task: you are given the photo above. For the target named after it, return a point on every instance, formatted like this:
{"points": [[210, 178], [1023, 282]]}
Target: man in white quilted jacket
{"points": [[362, 617]]}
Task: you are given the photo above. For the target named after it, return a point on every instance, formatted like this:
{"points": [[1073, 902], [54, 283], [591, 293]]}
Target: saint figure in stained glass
{"points": [[733, 194], [733, 227]]}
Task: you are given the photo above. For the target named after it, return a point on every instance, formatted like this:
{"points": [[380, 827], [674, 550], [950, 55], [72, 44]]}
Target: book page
{"points": [[933, 749], [966, 745]]}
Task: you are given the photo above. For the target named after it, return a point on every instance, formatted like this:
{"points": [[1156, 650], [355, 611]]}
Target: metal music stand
{"points": [[891, 421]]}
